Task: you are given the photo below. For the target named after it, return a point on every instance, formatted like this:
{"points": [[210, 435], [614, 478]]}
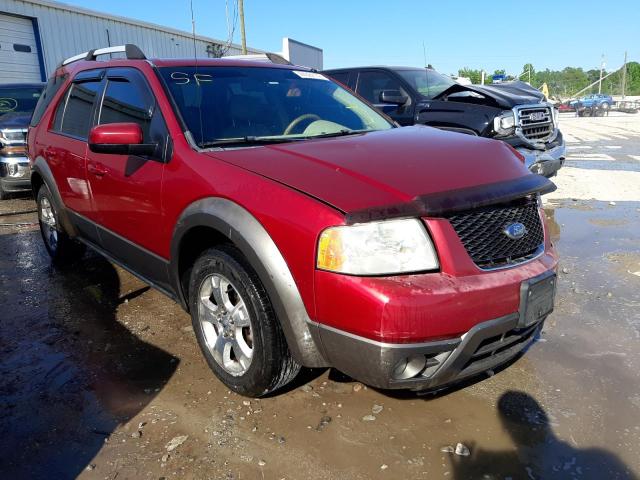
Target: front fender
{"points": [[251, 238]]}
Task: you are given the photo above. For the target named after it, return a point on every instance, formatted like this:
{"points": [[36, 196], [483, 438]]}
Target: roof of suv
{"points": [[176, 62], [133, 54], [219, 62]]}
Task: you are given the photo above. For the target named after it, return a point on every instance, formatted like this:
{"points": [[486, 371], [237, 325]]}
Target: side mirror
{"points": [[119, 139], [395, 97]]}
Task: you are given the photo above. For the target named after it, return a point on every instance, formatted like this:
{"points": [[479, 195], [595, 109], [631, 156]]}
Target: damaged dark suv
{"points": [[513, 112]]}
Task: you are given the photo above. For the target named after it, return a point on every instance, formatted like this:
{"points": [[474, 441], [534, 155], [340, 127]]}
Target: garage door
{"points": [[19, 60]]}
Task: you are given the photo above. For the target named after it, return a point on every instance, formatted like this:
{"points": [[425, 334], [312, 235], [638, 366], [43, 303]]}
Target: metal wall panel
{"points": [[19, 61], [66, 31]]}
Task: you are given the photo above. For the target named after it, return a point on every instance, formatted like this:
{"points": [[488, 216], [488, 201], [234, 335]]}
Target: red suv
{"points": [[298, 226]]}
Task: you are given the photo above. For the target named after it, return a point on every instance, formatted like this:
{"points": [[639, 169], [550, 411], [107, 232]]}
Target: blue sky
{"points": [[489, 34]]}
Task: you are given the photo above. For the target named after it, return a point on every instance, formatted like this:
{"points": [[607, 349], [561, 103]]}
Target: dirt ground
{"points": [[101, 378]]}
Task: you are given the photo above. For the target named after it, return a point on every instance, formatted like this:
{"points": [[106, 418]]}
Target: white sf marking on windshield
{"points": [[182, 78]]}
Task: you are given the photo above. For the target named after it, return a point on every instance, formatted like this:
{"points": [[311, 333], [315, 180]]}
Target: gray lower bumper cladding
{"points": [[429, 365]]}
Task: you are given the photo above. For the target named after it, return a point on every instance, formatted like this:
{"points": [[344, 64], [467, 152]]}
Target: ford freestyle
{"points": [[298, 226]]}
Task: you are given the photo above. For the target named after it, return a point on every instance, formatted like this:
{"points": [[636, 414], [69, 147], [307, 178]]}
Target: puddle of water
{"points": [[88, 355]]}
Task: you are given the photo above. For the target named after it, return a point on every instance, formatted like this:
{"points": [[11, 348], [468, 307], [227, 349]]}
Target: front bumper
{"points": [[429, 365], [15, 174], [435, 364], [544, 162]]}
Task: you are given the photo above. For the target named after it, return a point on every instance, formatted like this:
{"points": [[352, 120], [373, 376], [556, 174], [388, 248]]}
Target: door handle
{"points": [[98, 170]]}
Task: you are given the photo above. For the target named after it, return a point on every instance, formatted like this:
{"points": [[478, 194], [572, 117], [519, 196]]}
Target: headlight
{"points": [[504, 123], [377, 248]]}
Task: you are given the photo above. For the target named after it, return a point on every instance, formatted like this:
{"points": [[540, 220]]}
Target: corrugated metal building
{"points": [[36, 35]]}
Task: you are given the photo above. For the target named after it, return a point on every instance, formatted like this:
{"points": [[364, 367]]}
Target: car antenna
{"points": [[426, 67], [195, 59]]}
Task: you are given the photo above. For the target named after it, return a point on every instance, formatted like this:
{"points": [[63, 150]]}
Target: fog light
{"points": [[409, 367]]}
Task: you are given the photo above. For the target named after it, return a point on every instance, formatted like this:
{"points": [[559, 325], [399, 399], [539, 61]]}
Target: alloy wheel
{"points": [[225, 323], [48, 224]]}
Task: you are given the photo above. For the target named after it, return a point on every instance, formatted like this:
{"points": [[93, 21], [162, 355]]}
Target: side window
{"points": [[128, 98], [371, 84], [342, 77], [53, 85], [57, 117], [74, 116]]}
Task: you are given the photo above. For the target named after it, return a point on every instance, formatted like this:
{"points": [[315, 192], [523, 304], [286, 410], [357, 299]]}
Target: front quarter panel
{"points": [[274, 226]]}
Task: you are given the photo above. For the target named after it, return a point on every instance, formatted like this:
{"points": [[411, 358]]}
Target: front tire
{"points": [[60, 246], [235, 324]]}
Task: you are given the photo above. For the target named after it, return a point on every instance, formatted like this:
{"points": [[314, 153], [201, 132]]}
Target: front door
{"points": [[126, 189]]}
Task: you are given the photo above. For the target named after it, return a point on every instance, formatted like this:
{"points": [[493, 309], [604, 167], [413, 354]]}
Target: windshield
{"points": [[220, 104], [427, 82], [18, 100]]}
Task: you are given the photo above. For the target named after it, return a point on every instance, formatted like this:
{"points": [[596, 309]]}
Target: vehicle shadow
{"points": [[71, 373], [538, 453]]}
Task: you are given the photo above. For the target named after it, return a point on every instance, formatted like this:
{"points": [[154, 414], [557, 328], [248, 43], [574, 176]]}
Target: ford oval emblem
{"points": [[515, 231]]}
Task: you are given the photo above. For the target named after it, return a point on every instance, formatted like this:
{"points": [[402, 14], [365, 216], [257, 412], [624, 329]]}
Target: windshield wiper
{"points": [[253, 140], [339, 133], [246, 140]]}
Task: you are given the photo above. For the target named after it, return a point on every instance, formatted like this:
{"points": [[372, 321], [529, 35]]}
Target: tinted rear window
{"points": [[53, 85], [74, 117]]}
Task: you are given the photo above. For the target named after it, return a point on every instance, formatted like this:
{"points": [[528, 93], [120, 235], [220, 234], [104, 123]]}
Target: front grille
{"points": [[482, 232], [536, 123]]}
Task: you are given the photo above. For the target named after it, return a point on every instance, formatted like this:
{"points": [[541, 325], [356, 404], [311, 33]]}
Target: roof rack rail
{"points": [[261, 57], [131, 51]]}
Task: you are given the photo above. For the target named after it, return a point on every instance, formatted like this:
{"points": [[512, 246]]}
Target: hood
{"points": [[505, 95], [15, 120], [379, 169]]}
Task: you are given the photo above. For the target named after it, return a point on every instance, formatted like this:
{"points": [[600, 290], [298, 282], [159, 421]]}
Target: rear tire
{"points": [[235, 325], [60, 246]]}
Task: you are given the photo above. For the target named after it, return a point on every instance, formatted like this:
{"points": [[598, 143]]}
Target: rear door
{"points": [[371, 83], [126, 189], [67, 146]]}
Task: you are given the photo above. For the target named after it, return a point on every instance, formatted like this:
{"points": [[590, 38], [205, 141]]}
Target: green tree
{"points": [[633, 78], [472, 74]]}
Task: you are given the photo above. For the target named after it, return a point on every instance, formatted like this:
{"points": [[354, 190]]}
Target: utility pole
{"points": [[624, 75], [482, 77], [601, 69], [242, 33]]}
